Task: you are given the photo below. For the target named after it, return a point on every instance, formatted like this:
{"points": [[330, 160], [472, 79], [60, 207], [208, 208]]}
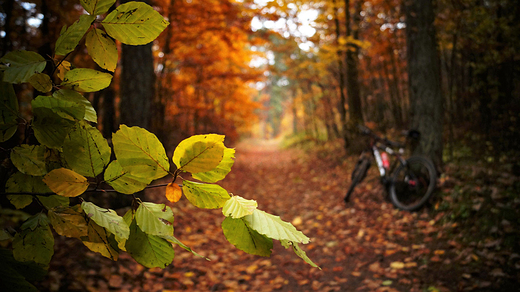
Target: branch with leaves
{"points": [[72, 157]]}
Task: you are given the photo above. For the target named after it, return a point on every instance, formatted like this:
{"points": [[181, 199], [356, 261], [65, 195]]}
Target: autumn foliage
{"points": [[204, 68]]}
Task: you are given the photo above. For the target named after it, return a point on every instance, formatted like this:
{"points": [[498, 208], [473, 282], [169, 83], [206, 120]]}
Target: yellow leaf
{"points": [[439, 252], [199, 153], [189, 274], [474, 257], [173, 192], [397, 265], [297, 221], [63, 68], [251, 269], [66, 182]]}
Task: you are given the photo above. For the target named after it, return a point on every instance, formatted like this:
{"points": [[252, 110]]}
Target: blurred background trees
{"points": [[307, 68]]}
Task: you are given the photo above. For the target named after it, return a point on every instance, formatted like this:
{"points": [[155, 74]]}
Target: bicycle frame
{"points": [[375, 148]]}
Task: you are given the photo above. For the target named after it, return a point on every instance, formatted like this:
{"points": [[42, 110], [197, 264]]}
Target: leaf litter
{"points": [[367, 245]]}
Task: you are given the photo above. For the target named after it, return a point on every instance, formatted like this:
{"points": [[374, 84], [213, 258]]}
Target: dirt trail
{"points": [[365, 246]]}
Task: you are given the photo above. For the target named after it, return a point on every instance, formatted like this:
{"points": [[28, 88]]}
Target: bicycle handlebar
{"points": [[366, 131]]}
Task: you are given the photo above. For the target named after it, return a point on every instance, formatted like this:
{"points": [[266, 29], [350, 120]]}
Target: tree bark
{"points": [[136, 85], [426, 103], [353, 87], [341, 71]]}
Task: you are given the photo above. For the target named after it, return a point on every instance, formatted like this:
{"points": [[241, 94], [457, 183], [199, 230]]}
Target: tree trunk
{"points": [[341, 70], [426, 102], [294, 112], [394, 101], [137, 85], [353, 88]]}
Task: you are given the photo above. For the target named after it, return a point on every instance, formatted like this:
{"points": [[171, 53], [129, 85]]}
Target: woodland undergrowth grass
{"points": [[481, 201]]}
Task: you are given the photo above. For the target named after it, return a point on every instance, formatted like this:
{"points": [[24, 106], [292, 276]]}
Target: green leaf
{"points": [[207, 196], [12, 280], [86, 151], [148, 250], [273, 227], [140, 153], [128, 218], [20, 201], [74, 96], [102, 49], [22, 65], [23, 183], [50, 129], [29, 159], [8, 110], [199, 153], [222, 169], [99, 240], [238, 233], [134, 23], [29, 270], [64, 108], [238, 207], [155, 219], [69, 221], [97, 7], [106, 218], [20, 183], [70, 37], [41, 82], [7, 131], [173, 239], [14, 274], [299, 252], [86, 80], [66, 182], [35, 243], [4, 235], [123, 181], [53, 201]]}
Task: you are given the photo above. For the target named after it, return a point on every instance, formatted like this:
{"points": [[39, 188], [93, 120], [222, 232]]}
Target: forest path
{"points": [[367, 245]]}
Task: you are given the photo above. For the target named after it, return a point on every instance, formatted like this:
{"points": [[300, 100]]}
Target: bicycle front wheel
{"points": [[413, 184], [360, 171]]}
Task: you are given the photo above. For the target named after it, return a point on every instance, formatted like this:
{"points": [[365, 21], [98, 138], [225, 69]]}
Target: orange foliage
{"points": [[204, 75]]}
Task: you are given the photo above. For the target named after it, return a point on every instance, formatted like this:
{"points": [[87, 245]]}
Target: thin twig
{"points": [[91, 190]]}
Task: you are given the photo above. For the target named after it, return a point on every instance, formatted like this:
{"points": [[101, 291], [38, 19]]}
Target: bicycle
{"points": [[412, 181]]}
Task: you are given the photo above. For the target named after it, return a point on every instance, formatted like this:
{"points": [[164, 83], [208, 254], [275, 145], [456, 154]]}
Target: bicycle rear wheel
{"points": [[413, 184], [359, 173]]}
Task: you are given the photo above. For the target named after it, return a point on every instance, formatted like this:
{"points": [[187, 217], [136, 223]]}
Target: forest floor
{"points": [[367, 245]]}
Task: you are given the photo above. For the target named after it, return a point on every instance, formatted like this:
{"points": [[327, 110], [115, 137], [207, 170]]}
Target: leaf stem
{"points": [[91, 190]]}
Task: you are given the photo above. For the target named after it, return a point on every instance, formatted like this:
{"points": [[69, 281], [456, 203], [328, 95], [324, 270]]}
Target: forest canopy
{"points": [[208, 78]]}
